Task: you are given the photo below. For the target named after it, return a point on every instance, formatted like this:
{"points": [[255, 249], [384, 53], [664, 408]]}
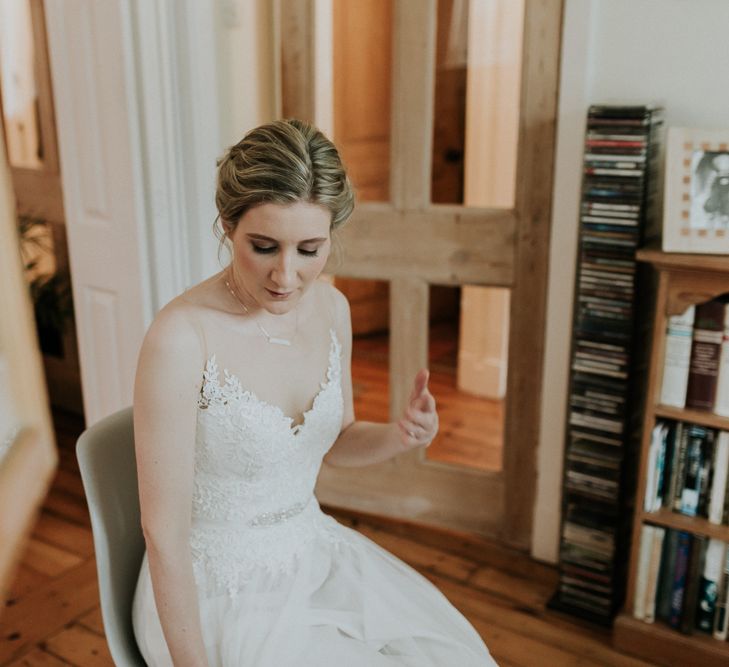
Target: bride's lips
{"points": [[278, 295]]}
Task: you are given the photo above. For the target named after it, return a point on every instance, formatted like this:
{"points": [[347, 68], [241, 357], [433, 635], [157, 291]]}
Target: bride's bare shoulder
{"points": [[339, 302], [333, 301], [179, 324]]}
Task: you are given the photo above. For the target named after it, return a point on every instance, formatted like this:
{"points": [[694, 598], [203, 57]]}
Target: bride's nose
{"points": [[284, 271]]}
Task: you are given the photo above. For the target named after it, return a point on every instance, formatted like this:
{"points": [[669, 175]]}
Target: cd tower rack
{"points": [[608, 357]]}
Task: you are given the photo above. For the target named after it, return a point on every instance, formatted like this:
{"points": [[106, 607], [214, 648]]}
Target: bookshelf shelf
{"points": [[684, 261], [697, 525], [683, 280], [651, 640], [694, 416]]}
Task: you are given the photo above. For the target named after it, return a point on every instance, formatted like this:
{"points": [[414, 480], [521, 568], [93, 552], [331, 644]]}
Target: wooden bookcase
{"points": [[683, 280]]}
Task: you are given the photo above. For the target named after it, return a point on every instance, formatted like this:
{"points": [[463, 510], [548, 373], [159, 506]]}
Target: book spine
{"points": [[641, 585], [708, 449], [653, 573], [694, 460], [719, 481], [693, 578], [721, 617], [706, 605], [674, 444], [677, 358], [651, 487], [668, 465], [661, 471], [680, 469], [668, 566], [705, 350], [678, 587], [722, 386]]}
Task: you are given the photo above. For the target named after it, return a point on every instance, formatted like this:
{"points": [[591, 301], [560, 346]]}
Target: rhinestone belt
{"points": [[272, 518]]}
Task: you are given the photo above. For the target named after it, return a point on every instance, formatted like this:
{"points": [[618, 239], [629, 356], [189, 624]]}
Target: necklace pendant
{"points": [[278, 341]]}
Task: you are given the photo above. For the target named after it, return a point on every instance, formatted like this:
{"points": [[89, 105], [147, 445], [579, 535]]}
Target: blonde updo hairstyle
{"points": [[281, 162]]}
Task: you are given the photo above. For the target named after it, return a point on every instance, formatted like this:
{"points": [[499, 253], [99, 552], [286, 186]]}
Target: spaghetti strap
{"points": [[200, 334], [331, 307]]}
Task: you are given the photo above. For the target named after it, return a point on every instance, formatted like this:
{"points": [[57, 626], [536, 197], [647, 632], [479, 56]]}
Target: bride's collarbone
{"points": [[288, 383]]}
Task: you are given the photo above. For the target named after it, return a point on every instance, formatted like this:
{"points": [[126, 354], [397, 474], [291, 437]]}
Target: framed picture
{"points": [[696, 194]]}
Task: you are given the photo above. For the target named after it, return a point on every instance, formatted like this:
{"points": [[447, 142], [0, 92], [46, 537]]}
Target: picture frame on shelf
{"points": [[696, 193]]}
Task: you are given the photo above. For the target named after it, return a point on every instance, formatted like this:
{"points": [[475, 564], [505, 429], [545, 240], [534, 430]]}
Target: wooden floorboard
{"points": [[471, 427], [52, 617]]}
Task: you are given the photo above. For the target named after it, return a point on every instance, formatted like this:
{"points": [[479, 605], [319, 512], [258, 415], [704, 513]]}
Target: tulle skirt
{"points": [[347, 603]]}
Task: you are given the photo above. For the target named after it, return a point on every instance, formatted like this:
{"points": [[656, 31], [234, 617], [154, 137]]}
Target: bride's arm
{"points": [[362, 443], [165, 398]]}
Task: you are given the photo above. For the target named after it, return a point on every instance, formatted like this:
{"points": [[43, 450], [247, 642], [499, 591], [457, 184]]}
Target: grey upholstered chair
{"points": [[105, 454]]}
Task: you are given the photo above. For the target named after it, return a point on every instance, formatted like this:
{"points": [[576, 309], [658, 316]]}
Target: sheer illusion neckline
{"points": [[232, 388]]}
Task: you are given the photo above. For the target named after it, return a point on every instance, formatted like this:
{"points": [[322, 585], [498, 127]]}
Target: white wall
{"points": [[247, 76], [672, 51]]}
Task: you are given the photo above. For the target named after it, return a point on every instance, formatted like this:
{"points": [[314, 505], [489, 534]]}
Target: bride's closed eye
{"points": [[264, 250]]}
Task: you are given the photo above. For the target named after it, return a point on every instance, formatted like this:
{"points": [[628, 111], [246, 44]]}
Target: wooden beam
{"points": [[297, 59], [409, 299], [42, 70], [413, 86], [539, 85], [447, 245], [388, 489]]}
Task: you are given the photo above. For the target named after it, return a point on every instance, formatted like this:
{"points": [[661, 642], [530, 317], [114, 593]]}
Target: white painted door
{"points": [[102, 197], [137, 120]]}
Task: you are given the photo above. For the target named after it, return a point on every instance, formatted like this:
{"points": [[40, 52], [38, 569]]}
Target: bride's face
{"points": [[278, 252]]}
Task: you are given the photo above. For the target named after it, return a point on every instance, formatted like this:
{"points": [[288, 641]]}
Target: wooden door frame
{"points": [[30, 458], [505, 248]]}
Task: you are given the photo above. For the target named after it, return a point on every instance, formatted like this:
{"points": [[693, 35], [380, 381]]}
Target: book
{"points": [[644, 561], [708, 582], [721, 405], [653, 573], [656, 459], [663, 491], [665, 577], [691, 487], [678, 585], [678, 472], [677, 356], [705, 350], [719, 480], [675, 435], [695, 568], [721, 616], [708, 446]]}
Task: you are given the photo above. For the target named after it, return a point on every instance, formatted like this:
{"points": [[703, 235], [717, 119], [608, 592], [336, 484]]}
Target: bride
{"points": [[243, 388]]}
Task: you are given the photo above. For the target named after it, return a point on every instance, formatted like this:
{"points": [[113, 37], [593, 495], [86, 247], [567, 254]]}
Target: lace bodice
{"points": [[255, 472]]}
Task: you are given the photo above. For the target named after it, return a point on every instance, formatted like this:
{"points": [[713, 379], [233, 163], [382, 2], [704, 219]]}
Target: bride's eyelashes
{"points": [[265, 250]]}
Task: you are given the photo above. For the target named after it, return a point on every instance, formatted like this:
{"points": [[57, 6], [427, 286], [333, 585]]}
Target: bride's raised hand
{"points": [[419, 423]]}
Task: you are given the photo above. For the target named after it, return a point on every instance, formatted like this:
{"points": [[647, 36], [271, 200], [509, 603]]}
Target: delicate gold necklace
{"points": [[276, 340]]}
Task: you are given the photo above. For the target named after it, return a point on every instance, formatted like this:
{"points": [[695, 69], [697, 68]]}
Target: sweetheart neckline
{"points": [[232, 378]]}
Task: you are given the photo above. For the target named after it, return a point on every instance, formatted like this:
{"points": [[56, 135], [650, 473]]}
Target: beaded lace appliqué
{"points": [[253, 509], [213, 392]]}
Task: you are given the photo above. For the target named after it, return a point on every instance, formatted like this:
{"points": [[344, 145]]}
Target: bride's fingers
{"points": [[422, 418], [411, 429], [419, 384]]}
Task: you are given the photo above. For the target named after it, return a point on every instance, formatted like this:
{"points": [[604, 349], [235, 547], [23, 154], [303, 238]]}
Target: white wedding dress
{"points": [[280, 583]]}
